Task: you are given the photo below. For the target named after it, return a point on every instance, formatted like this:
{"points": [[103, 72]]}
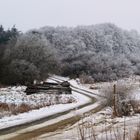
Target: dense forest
{"points": [[102, 52]]}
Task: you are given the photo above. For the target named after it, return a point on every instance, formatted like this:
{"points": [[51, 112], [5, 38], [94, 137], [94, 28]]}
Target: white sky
{"points": [[28, 14]]}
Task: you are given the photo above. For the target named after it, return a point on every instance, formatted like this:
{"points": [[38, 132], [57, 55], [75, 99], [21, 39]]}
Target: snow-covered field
{"points": [[100, 125], [36, 114], [40, 105], [16, 95], [13, 100]]}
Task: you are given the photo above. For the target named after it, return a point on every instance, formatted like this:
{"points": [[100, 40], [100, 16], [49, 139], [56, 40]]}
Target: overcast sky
{"points": [[28, 14]]}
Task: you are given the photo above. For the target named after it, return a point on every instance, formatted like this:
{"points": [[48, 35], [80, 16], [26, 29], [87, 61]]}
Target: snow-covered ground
{"points": [[43, 105], [42, 112], [76, 83], [99, 126], [102, 123], [13, 100], [16, 95], [30, 116], [103, 126]]}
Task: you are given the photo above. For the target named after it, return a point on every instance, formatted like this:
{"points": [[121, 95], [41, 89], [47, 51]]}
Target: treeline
{"points": [[103, 52], [24, 57]]}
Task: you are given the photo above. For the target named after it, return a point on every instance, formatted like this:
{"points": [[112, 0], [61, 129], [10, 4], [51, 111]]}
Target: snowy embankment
{"points": [[37, 114]]}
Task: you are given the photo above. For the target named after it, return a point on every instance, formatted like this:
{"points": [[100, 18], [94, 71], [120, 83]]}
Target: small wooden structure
{"points": [[48, 88]]}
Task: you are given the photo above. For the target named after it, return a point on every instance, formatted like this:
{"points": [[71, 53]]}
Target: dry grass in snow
{"points": [[13, 100], [101, 126]]}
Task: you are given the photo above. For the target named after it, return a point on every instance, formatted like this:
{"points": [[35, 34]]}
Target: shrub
{"points": [[86, 79], [22, 72], [122, 102], [4, 107], [23, 108]]}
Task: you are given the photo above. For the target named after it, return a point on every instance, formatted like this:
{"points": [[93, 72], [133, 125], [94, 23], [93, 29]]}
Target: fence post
{"points": [[114, 101]]}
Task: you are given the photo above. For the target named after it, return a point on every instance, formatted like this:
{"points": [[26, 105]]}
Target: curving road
{"points": [[54, 122]]}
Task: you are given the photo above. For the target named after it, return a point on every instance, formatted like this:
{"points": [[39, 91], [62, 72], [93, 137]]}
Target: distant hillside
{"points": [[103, 51]]}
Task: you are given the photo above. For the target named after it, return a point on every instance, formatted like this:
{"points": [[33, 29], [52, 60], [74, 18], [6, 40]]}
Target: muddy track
{"points": [[49, 128]]}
